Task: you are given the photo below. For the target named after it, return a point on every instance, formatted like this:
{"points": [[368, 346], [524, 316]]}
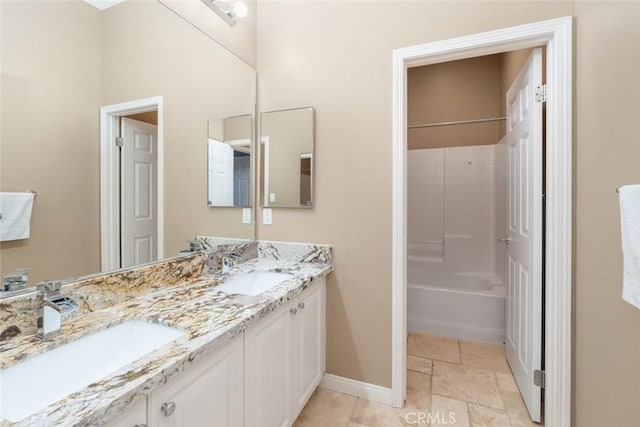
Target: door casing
{"points": [[109, 176], [556, 35]]}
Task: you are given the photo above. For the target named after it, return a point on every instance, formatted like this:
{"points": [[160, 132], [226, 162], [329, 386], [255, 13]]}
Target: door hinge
{"points": [[119, 141], [541, 93], [538, 378]]}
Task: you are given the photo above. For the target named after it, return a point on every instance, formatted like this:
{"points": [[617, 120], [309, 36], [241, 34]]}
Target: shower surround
{"points": [[456, 266]]}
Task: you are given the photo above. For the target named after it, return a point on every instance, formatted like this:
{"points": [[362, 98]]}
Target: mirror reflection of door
{"points": [[229, 162], [138, 190], [220, 173]]}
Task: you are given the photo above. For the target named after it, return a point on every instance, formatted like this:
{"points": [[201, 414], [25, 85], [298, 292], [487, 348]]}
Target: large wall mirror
{"points": [[61, 62], [287, 143], [229, 165]]}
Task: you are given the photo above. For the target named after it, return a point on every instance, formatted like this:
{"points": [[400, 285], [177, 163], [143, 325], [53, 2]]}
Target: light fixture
{"points": [[228, 10]]}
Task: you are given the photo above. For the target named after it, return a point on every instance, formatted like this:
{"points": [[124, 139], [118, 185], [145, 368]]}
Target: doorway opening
{"points": [[557, 37], [131, 183], [474, 173]]}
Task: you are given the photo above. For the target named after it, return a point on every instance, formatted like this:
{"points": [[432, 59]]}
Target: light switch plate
{"points": [[266, 216], [246, 215], [272, 197]]}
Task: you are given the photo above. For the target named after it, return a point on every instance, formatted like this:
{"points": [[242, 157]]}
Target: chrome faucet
{"points": [[194, 246], [226, 261], [16, 280], [53, 306], [225, 264]]}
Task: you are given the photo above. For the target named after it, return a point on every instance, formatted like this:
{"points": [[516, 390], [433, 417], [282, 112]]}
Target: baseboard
{"points": [[372, 392]]}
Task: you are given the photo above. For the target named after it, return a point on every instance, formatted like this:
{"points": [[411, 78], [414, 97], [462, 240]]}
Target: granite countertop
{"points": [[210, 318]]}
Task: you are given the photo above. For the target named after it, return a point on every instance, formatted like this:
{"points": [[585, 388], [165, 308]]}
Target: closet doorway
{"points": [[131, 183]]}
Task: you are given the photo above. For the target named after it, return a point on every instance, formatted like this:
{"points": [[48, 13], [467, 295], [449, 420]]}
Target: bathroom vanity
{"points": [[238, 360]]}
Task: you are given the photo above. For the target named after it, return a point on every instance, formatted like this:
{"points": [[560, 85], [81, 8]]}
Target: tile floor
{"points": [[449, 383]]}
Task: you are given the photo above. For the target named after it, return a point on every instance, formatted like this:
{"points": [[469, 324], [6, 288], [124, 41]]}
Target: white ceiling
{"points": [[103, 4]]}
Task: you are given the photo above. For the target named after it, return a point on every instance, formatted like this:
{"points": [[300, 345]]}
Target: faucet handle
{"points": [[196, 245], [49, 286]]}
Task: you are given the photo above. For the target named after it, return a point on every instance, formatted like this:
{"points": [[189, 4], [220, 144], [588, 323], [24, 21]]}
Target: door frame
{"points": [[556, 34], [109, 176]]}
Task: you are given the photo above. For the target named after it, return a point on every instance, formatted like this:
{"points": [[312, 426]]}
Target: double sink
{"points": [[55, 374]]}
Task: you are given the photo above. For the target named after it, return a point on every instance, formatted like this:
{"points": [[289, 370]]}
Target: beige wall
{"points": [[468, 89], [216, 129], [199, 80], [50, 97], [340, 61], [240, 127], [607, 155]]}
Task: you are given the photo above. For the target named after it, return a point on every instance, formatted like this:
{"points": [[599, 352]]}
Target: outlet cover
{"points": [[246, 215], [267, 218]]}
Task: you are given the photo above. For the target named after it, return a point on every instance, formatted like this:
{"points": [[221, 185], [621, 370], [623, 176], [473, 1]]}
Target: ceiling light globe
{"points": [[240, 9]]}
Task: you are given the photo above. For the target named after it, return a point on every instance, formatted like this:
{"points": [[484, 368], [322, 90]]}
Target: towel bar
{"points": [[34, 192]]}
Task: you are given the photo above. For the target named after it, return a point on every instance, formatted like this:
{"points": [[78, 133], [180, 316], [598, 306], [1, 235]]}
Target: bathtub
{"points": [[469, 306]]}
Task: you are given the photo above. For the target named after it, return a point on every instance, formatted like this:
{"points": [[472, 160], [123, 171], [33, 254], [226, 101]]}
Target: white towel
{"points": [[630, 223], [15, 215]]}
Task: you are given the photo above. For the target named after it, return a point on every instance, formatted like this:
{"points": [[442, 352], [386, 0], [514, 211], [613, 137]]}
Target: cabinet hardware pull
{"points": [[301, 305], [293, 311], [168, 408], [140, 425]]}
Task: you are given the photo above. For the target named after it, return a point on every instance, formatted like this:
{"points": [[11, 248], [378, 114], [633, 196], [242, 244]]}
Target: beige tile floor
{"points": [[449, 383]]}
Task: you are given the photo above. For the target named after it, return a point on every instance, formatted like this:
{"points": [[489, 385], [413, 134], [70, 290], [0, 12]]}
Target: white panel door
{"points": [[220, 173], [525, 170], [139, 188]]}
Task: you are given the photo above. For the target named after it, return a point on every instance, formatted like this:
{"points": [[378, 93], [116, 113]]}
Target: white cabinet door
{"points": [[134, 416], [207, 395], [267, 370], [309, 344], [285, 360]]}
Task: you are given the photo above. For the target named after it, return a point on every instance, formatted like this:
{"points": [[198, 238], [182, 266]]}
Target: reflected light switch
{"points": [[266, 216], [272, 197], [246, 215]]}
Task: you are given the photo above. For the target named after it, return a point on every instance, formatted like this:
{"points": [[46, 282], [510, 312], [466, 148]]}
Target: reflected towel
{"points": [[630, 223], [15, 215]]}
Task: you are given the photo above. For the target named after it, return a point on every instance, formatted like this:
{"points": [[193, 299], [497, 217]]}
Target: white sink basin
{"points": [[36, 383], [253, 283]]}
